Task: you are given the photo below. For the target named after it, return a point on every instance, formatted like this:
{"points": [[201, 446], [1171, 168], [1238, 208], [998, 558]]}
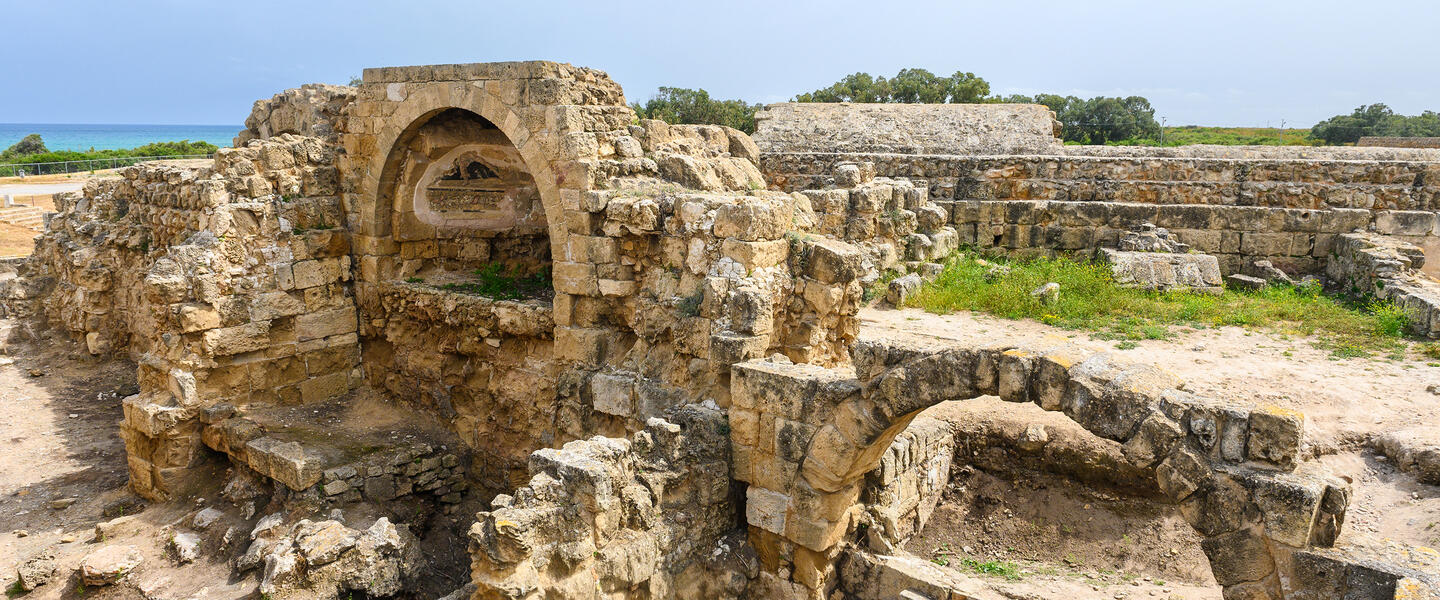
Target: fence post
{"points": [[9, 201]]}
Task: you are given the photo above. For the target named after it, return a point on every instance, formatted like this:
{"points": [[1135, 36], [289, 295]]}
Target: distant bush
{"points": [[180, 148], [696, 107], [30, 144], [907, 86], [1376, 119]]}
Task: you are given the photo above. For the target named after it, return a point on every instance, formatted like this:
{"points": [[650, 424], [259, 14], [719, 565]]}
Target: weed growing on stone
{"points": [[1090, 300], [492, 281]]}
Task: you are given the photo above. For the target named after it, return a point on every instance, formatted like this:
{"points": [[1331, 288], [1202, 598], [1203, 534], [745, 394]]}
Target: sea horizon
{"points": [[114, 136]]}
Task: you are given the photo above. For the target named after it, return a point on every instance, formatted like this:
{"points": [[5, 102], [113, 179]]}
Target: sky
{"points": [[1216, 62]]}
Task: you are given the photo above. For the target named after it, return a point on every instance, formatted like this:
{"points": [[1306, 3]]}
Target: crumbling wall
{"points": [[224, 279], [644, 517], [311, 110], [1367, 266], [1283, 204], [670, 262], [907, 128], [803, 438]]}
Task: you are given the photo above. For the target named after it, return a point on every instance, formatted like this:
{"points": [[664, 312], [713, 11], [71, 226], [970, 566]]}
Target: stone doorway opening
{"points": [[468, 213]]}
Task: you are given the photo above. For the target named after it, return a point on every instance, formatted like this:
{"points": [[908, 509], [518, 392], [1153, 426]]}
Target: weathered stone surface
{"points": [[1164, 271], [109, 564]]}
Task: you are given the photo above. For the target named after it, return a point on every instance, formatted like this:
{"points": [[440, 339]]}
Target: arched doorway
{"points": [[463, 201]]}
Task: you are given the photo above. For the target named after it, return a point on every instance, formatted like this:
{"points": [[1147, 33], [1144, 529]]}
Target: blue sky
{"points": [[1217, 62]]}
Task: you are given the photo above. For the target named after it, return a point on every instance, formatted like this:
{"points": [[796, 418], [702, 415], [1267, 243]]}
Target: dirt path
{"points": [[60, 439]]}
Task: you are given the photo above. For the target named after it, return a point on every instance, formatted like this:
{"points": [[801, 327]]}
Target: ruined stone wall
{"points": [[1283, 204], [902, 491], [644, 517], [670, 262], [1366, 266], [803, 438], [224, 279], [907, 128], [1399, 142]]}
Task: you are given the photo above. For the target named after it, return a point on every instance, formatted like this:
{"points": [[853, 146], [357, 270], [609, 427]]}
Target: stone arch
{"points": [[376, 198], [810, 435]]}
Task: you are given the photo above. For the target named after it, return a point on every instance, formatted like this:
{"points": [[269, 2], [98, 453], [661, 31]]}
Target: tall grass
{"points": [[1091, 300]]}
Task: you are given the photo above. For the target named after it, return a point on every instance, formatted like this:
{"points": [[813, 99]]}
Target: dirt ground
{"points": [[1081, 542], [59, 416], [59, 430]]}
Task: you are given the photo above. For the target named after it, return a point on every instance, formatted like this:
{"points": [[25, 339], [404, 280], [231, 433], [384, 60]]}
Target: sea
{"points": [[71, 136]]}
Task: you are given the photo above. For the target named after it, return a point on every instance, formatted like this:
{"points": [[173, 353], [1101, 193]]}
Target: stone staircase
{"points": [[24, 216]]}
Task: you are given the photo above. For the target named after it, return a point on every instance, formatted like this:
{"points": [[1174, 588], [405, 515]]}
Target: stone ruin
{"points": [[684, 405]]}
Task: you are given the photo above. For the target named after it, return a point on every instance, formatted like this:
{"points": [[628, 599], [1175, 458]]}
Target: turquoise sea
{"points": [[70, 136]]}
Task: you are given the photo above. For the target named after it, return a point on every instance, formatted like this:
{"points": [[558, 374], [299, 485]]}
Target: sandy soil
{"points": [[16, 240], [59, 415]]}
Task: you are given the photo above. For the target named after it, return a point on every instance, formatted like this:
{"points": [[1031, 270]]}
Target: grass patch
{"points": [[1090, 300], [492, 281]]}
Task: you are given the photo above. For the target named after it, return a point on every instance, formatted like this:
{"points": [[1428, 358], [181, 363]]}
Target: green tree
{"points": [[30, 144], [684, 105], [1099, 120], [907, 86], [1375, 119]]}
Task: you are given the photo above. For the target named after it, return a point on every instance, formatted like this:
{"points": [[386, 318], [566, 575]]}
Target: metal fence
{"points": [[81, 166]]}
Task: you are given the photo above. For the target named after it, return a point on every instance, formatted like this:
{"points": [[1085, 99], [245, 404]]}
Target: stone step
{"points": [[303, 458]]}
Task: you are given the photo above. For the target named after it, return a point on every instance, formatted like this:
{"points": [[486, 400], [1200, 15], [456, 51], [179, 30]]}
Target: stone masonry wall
{"points": [[225, 279], [1377, 266], [1284, 210], [803, 438], [644, 517]]}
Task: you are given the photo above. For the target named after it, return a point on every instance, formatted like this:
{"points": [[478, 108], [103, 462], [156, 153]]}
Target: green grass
{"points": [[492, 282], [1090, 300], [1186, 135]]}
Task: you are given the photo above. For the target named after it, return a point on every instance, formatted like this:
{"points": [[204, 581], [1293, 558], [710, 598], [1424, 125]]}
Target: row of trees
{"points": [[1088, 121], [1098, 120], [1375, 119]]}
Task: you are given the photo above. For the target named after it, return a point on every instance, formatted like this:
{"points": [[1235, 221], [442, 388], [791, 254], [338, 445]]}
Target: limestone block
{"points": [[1276, 436], [1238, 557], [1289, 504], [324, 387], [582, 345], [325, 323], [755, 255], [579, 279], [766, 509], [829, 459], [1164, 270], [613, 394], [1183, 472], [1221, 507], [591, 249], [902, 288], [1013, 375], [831, 261], [1153, 441], [226, 341], [752, 220], [197, 317], [109, 564], [728, 349], [273, 305], [286, 462]]}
